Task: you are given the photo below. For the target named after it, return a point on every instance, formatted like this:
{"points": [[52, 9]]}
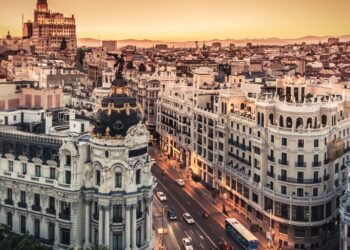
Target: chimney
{"points": [[48, 122]]}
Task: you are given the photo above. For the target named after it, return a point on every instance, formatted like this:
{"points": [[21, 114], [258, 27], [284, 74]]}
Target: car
{"points": [[171, 214], [180, 182], [187, 242], [161, 196], [188, 218]]}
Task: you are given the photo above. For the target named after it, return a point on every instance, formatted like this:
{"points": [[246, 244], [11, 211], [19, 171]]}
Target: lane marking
{"points": [[201, 245], [182, 207]]}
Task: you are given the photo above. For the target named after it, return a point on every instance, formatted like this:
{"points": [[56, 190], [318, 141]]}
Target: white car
{"points": [[180, 182], [161, 196], [188, 218], [187, 242]]}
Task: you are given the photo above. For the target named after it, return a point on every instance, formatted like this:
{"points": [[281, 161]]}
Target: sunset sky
{"points": [[181, 20]]}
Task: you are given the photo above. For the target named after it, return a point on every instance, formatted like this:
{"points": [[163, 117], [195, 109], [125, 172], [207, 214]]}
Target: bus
{"points": [[241, 234]]}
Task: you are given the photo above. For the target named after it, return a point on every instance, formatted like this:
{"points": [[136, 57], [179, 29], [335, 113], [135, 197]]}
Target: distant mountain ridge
{"points": [[146, 43]]}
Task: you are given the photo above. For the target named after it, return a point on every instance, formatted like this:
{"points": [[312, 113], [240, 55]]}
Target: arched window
{"points": [[309, 122], [242, 106], [299, 122], [281, 121], [324, 120], [289, 122], [271, 119]]}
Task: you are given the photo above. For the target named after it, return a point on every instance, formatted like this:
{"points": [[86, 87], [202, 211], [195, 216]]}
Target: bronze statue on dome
{"points": [[119, 64]]}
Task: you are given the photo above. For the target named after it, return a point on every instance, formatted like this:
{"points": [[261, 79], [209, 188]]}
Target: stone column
{"points": [[100, 225], [127, 227], [87, 223], [133, 226], [148, 221], [106, 226]]}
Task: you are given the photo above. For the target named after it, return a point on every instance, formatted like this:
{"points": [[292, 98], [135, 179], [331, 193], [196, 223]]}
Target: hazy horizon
{"points": [[182, 20]]}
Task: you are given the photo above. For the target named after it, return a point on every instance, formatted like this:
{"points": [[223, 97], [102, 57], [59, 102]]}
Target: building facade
{"points": [[85, 189], [52, 32], [278, 157]]}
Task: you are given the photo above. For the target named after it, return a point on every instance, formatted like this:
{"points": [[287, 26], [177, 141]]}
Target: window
{"points": [[23, 196], [68, 160], [10, 166], [9, 219], [37, 228], [117, 241], [315, 191], [138, 236], [283, 190], [52, 173], [65, 236], [284, 141], [51, 232], [24, 168], [138, 176], [9, 194], [299, 232], [316, 143], [300, 143], [283, 229], [37, 200], [37, 170], [68, 177], [65, 209], [272, 138], [117, 213], [255, 198], [52, 202], [98, 177], [23, 224], [118, 180], [300, 192]]}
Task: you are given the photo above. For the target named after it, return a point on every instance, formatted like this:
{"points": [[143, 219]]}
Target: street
{"points": [[206, 232]]}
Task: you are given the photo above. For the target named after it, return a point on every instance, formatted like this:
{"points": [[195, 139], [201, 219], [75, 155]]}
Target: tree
{"points": [[63, 44], [142, 67], [130, 65]]}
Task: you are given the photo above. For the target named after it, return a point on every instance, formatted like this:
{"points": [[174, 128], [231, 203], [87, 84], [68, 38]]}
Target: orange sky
{"points": [[180, 20]]}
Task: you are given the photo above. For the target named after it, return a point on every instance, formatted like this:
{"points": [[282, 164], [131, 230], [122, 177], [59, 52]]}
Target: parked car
{"points": [[188, 218], [180, 182], [171, 214], [161, 196], [187, 242]]}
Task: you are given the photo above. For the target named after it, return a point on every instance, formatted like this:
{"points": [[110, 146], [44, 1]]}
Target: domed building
{"points": [[84, 190]]}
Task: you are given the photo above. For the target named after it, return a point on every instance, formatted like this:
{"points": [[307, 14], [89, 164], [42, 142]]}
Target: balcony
{"points": [[326, 177], [9, 202], [316, 164], [271, 174], [300, 164], [299, 180], [283, 162], [64, 216], [51, 210], [36, 208], [271, 158], [22, 204]]}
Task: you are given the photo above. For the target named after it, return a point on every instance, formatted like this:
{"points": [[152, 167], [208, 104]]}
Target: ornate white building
{"points": [[91, 189], [279, 156]]}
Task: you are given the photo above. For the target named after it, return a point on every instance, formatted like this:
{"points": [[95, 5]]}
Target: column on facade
{"points": [[148, 221], [100, 225], [127, 227], [133, 226], [87, 223], [106, 209]]}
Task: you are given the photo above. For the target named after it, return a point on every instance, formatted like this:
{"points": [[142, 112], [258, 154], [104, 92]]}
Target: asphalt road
{"points": [[205, 233]]}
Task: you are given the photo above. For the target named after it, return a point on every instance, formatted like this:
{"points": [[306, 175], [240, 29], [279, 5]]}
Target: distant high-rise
{"points": [[109, 45], [52, 32], [27, 31]]}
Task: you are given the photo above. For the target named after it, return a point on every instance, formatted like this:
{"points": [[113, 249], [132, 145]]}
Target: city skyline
{"points": [[196, 20]]}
